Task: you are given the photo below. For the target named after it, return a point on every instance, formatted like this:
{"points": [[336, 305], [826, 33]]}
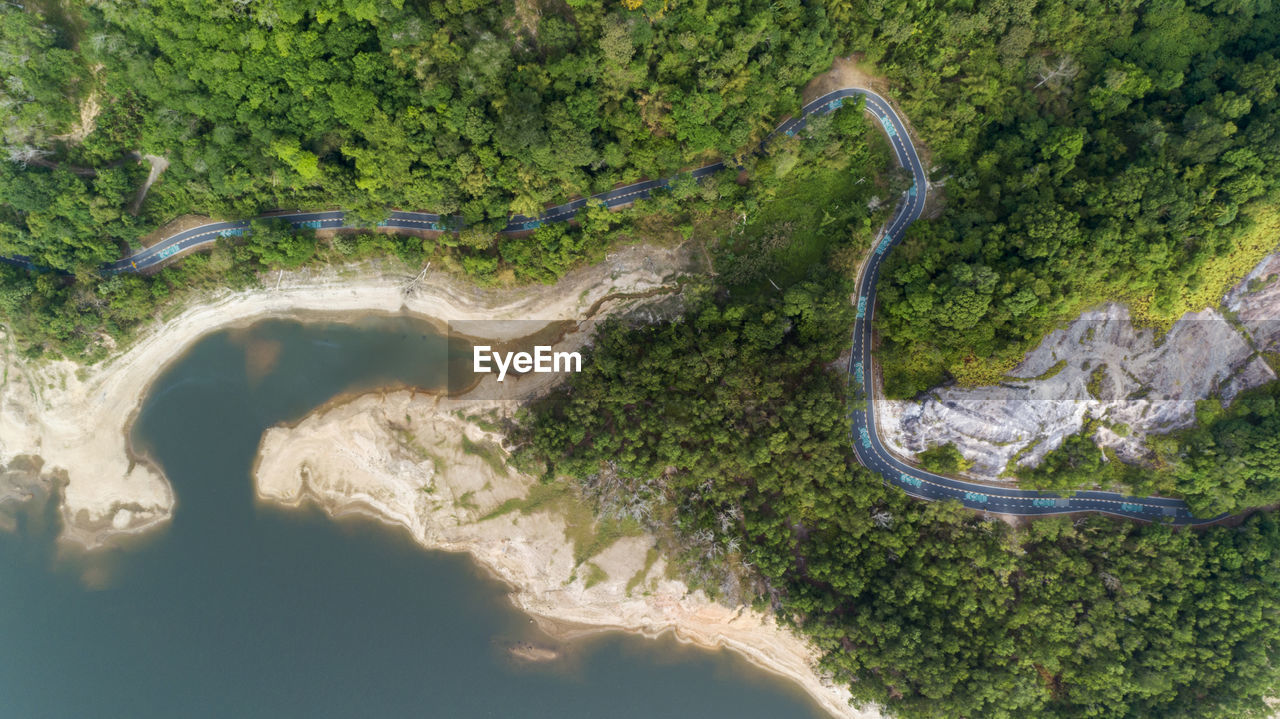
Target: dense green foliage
{"points": [[1114, 150], [453, 107], [67, 221], [728, 426], [477, 109], [944, 458], [1118, 150], [457, 106], [818, 176], [1077, 462], [42, 76], [1080, 462], [1229, 461], [46, 310], [725, 432]]}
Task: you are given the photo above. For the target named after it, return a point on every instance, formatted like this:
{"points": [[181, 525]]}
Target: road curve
{"points": [[866, 440], [913, 480]]}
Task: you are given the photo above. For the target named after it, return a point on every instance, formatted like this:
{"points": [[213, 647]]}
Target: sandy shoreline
{"points": [[400, 458], [346, 457], [76, 419]]}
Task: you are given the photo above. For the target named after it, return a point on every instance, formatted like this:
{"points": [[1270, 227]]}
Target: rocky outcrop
{"points": [[1103, 366], [1255, 304]]}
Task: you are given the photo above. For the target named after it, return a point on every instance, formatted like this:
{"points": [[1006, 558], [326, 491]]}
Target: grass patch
{"points": [[467, 501], [649, 559], [1047, 374], [798, 226], [588, 535], [821, 206], [483, 421], [1011, 467], [408, 441], [1096, 378], [1258, 283], [592, 537], [595, 575], [540, 496], [974, 371], [1139, 393], [489, 452]]}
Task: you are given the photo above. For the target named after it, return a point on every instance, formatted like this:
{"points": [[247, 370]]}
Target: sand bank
{"points": [[76, 418], [401, 457]]}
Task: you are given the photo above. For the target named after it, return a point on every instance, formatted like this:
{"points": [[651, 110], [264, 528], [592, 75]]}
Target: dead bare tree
{"points": [[1055, 76], [414, 282], [1110, 581], [882, 519]]}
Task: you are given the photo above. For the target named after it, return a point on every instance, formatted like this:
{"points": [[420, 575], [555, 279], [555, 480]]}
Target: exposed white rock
{"points": [[1256, 303], [1147, 383]]}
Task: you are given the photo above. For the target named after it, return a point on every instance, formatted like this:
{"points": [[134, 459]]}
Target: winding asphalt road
{"points": [[913, 480], [866, 441]]}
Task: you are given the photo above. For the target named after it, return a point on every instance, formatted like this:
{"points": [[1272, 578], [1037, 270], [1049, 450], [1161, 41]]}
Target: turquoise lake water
{"points": [[238, 609]]}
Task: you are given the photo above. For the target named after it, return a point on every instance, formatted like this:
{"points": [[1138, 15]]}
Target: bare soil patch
{"points": [[185, 222], [844, 72]]}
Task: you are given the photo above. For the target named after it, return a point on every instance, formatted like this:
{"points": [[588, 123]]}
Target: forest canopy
{"points": [[1085, 151], [1089, 151], [725, 432], [454, 107], [472, 109]]}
